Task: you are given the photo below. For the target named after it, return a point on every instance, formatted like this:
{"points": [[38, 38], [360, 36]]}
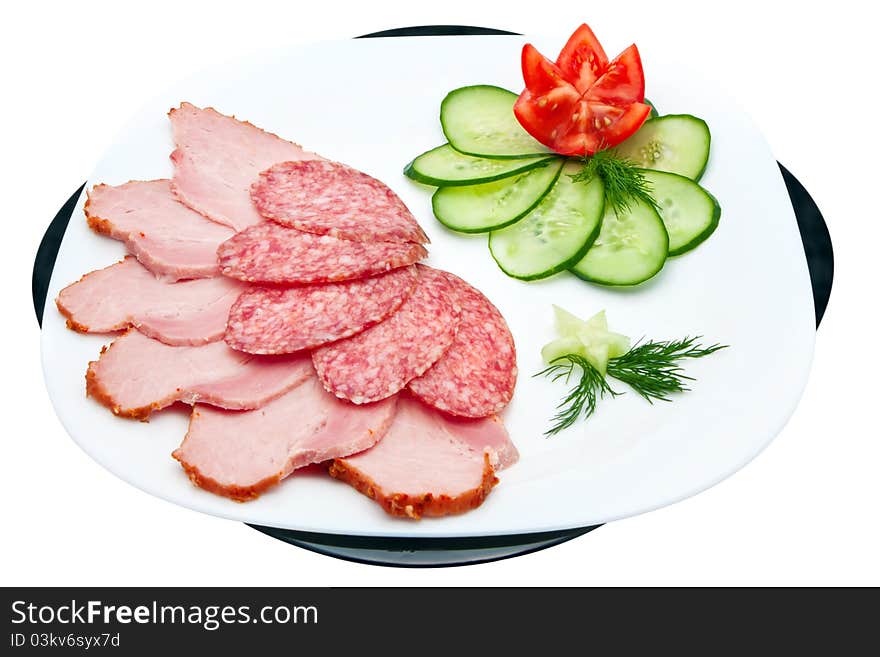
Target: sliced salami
{"points": [[329, 198], [477, 374], [269, 320], [270, 253], [381, 360]]}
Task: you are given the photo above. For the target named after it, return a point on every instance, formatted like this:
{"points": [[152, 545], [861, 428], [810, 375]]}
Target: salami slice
{"points": [[329, 198], [270, 253], [477, 374], [381, 360], [268, 320]]}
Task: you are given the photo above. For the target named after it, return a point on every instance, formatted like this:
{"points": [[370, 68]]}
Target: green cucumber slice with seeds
{"points": [[631, 248], [494, 205], [479, 121], [445, 167], [556, 234], [676, 143], [688, 211]]}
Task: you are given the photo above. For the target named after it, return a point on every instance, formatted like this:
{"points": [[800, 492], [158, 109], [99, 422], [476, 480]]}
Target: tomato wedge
{"points": [[582, 103], [582, 60], [551, 100], [622, 82]]}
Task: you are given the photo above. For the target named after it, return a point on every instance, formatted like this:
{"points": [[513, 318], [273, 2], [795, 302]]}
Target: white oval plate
{"points": [[374, 104]]}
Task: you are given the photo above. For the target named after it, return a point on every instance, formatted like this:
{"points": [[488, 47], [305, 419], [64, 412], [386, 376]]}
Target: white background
{"points": [[804, 512]]}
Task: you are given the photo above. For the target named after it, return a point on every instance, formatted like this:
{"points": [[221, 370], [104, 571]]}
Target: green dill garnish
{"points": [[623, 179], [651, 369], [582, 398]]}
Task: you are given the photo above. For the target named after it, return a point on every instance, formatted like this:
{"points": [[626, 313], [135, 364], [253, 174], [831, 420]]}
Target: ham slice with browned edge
{"points": [[428, 464], [217, 159], [136, 375], [169, 239], [126, 294], [240, 454]]}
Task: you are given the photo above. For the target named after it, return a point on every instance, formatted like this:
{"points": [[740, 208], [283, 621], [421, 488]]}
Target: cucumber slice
{"points": [[654, 113], [556, 234], [479, 121], [677, 143], [688, 211], [630, 249], [446, 167], [494, 205]]}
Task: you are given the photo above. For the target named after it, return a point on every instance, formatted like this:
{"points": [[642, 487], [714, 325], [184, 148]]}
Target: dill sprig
{"points": [[624, 181], [581, 399], [652, 369]]}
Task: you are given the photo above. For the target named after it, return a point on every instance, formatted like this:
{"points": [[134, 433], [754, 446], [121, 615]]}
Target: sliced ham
{"points": [[483, 435], [477, 374], [169, 239], [217, 159], [126, 294], [266, 320], [269, 253], [381, 360], [429, 465], [329, 198], [240, 454], [137, 375]]}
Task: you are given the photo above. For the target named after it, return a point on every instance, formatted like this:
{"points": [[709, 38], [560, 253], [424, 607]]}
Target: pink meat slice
{"points": [[381, 360], [240, 454], [281, 321], [329, 198], [428, 464], [137, 375], [483, 435], [477, 374], [269, 253], [126, 294], [216, 160], [169, 239]]}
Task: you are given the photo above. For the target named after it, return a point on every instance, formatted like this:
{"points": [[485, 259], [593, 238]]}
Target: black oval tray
{"points": [[432, 552]]}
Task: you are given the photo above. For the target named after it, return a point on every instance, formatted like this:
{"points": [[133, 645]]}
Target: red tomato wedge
{"points": [[541, 75], [548, 99], [582, 60], [622, 82], [582, 103]]}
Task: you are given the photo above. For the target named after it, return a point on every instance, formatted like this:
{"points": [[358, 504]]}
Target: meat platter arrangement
{"points": [[281, 296], [279, 314]]}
